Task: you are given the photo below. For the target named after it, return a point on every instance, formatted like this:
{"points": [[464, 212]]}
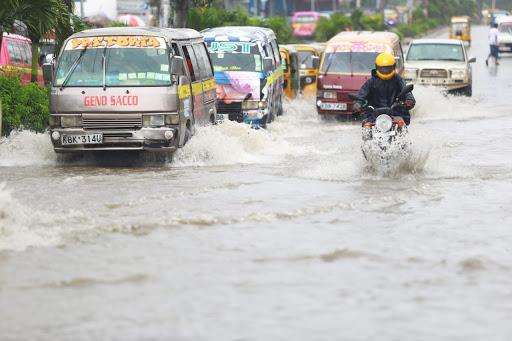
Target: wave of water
{"points": [[26, 148]]}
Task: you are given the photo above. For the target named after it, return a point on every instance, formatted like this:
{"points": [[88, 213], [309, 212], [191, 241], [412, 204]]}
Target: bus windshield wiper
{"points": [[329, 62], [72, 69], [104, 68]]}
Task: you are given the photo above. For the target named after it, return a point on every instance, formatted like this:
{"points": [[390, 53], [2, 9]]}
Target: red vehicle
{"points": [[304, 24], [346, 65], [16, 57]]}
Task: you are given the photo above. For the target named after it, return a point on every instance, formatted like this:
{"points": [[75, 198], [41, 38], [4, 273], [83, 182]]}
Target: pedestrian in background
{"points": [[493, 42]]}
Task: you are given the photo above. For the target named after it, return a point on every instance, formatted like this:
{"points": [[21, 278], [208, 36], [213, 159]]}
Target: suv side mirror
{"points": [[268, 64], [177, 66], [316, 62], [472, 60]]}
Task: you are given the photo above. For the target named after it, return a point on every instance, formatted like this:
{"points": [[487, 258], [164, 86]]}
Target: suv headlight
{"points": [[459, 74], [330, 94], [410, 73], [71, 121], [153, 120]]}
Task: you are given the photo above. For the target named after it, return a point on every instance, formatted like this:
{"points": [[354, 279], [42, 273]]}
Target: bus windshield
{"points": [[349, 62], [92, 62], [235, 56]]}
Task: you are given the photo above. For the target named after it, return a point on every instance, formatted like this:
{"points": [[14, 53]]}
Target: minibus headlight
{"points": [[54, 121], [172, 119], [71, 121], [330, 94], [262, 105], [250, 105], [153, 120]]}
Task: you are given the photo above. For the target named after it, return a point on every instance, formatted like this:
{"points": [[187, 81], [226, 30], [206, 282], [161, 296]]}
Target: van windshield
{"points": [[349, 62], [92, 62], [448, 52], [235, 56]]}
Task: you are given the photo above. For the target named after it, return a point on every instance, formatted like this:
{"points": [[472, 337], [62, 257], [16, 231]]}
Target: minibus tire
{"points": [[264, 121]]}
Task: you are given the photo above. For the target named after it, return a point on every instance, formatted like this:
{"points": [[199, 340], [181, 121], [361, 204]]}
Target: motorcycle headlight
{"points": [[153, 120], [383, 123], [71, 121], [330, 94], [410, 73], [459, 74]]}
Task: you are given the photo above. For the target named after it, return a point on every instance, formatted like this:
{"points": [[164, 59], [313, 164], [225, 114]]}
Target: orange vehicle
{"points": [[346, 65], [16, 57]]}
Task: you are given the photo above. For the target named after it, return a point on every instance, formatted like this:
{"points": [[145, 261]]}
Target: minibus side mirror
{"points": [[48, 69], [177, 66], [268, 64], [472, 60], [316, 62]]}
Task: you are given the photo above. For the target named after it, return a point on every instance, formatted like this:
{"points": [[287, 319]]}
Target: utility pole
{"points": [[493, 4], [358, 3], [82, 8], [312, 5]]}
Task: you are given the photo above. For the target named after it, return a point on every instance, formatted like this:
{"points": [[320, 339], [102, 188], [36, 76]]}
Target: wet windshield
{"points": [[435, 52], [349, 62], [234, 56], [124, 66], [305, 59]]}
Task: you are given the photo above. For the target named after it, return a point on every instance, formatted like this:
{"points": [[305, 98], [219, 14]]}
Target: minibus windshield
{"points": [[235, 56], [114, 61], [349, 62]]}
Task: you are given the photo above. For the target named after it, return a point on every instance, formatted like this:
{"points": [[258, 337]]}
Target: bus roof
{"points": [[461, 18], [169, 33], [365, 36], [238, 33]]}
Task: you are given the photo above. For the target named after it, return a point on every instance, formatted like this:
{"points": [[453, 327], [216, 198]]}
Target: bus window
{"points": [[202, 59]]}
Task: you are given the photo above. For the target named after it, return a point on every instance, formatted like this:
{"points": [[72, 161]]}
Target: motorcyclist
{"points": [[382, 88]]}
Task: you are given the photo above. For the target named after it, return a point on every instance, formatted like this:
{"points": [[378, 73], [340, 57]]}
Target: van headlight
{"points": [[153, 120], [330, 94], [250, 105], [383, 123], [54, 121], [410, 73], [459, 74], [72, 121], [172, 119], [262, 105]]}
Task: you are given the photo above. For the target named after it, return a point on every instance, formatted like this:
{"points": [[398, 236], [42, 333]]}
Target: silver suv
{"points": [[442, 63]]}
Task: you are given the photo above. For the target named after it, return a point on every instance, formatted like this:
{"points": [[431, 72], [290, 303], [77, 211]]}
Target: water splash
{"points": [[26, 148]]}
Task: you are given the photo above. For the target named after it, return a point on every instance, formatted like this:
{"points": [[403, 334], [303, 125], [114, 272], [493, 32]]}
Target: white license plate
{"points": [[221, 117], [333, 106], [82, 139]]}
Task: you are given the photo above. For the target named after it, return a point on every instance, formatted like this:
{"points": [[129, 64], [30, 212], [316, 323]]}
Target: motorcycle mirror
{"points": [[408, 88]]}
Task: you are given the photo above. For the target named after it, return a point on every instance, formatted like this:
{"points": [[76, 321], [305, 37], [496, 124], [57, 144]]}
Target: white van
{"points": [[505, 33]]}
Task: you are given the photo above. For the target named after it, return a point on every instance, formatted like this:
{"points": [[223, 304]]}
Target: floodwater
{"points": [[284, 234]]}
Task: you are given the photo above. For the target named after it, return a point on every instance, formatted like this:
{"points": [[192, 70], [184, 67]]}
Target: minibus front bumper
{"points": [[67, 140]]}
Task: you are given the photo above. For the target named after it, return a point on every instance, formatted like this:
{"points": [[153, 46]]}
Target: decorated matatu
{"points": [[347, 63], [248, 74], [16, 58], [130, 89]]}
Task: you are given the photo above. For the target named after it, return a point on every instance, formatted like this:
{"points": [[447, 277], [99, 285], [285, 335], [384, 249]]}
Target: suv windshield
{"points": [[436, 52], [235, 56], [349, 62], [110, 62]]}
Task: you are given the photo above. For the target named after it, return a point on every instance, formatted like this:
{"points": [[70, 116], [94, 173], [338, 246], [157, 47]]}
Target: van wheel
{"points": [[188, 134], [280, 108], [264, 121], [469, 91]]}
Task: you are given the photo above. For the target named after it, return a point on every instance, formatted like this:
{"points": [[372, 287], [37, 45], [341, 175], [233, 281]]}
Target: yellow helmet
{"points": [[385, 65]]}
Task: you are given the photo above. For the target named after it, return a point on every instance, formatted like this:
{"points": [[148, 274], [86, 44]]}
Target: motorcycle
{"points": [[385, 137]]}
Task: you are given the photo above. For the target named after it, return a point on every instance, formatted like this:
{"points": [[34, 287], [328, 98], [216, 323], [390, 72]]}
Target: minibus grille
{"points": [[106, 122], [434, 73]]}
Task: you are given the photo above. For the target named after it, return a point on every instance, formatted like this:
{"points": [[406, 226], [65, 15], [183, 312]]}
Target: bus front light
{"points": [[71, 121], [153, 120]]}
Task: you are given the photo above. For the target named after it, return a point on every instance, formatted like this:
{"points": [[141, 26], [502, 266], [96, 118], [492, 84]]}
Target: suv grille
{"points": [[434, 73], [108, 121]]}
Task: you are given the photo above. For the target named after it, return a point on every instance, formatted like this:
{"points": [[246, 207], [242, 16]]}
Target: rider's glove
{"points": [[356, 107], [409, 103]]}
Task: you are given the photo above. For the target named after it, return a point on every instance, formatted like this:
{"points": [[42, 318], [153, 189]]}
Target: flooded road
{"points": [[270, 235]]}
